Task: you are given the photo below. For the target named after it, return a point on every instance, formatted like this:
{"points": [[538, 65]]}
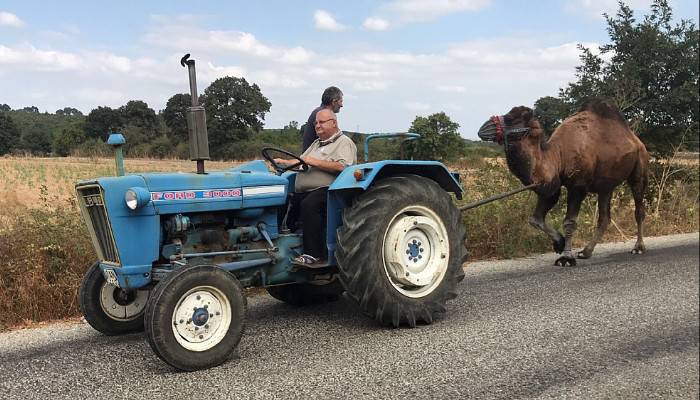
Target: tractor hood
{"points": [[248, 185]]}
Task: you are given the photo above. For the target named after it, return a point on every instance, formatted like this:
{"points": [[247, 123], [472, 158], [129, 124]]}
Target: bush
{"points": [[45, 253]]}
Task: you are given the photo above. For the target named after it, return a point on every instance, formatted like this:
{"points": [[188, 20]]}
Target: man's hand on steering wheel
{"points": [[277, 162]]}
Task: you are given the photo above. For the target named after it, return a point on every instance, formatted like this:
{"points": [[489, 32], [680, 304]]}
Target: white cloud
{"points": [[296, 55], [215, 72], [9, 19], [451, 88], [369, 86], [27, 56], [426, 10], [596, 8], [417, 106], [517, 53], [376, 24], [324, 21]]}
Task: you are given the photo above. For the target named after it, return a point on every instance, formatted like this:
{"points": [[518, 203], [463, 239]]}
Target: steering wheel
{"points": [[280, 168]]}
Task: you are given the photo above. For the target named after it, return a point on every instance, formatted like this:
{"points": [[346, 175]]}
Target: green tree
{"points": [[650, 70], [551, 111], [69, 139], [175, 117], [5, 107], [140, 125], [234, 109], [101, 121], [31, 109], [161, 147], [69, 112], [36, 140], [439, 138], [9, 134]]}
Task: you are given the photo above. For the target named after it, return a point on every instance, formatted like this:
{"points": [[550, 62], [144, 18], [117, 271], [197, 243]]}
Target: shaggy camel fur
{"points": [[591, 151]]}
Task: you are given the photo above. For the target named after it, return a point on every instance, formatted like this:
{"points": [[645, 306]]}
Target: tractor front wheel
{"points": [[109, 309], [401, 249], [195, 317]]}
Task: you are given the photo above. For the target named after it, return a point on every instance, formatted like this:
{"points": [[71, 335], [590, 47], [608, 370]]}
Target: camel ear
{"points": [[527, 114]]}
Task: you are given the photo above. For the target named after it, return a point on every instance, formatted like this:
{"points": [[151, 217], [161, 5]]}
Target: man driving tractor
{"points": [[326, 157]]}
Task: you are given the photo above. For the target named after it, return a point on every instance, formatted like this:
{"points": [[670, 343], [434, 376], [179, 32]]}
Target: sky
{"points": [[393, 60]]}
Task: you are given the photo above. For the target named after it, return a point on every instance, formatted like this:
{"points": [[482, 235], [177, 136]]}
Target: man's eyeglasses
{"points": [[323, 122]]}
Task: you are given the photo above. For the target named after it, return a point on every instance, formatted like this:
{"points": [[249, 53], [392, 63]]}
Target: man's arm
{"points": [[326, 165]]}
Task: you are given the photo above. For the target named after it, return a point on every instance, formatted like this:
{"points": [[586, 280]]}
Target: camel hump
{"points": [[603, 108]]}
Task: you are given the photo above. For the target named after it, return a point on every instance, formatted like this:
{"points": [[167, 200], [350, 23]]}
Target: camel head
{"points": [[517, 125]]}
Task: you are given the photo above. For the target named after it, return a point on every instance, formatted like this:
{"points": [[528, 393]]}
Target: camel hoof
{"points": [[559, 245], [565, 262], [583, 255]]}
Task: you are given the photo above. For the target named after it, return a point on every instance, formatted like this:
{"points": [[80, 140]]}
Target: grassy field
{"points": [[45, 246]]}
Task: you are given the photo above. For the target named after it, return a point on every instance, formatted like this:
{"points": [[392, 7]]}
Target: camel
{"points": [[592, 151]]}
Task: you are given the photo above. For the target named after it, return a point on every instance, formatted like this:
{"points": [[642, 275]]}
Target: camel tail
{"points": [[604, 108]]}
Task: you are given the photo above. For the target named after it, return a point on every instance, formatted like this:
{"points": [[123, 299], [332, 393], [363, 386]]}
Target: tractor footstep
{"points": [[316, 265]]}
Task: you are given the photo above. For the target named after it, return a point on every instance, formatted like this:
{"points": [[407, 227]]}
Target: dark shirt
{"points": [[310, 130]]}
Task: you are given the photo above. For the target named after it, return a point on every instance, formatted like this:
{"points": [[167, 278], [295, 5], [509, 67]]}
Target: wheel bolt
{"points": [[408, 251], [196, 328], [420, 256], [206, 306], [211, 315], [201, 336], [199, 297], [206, 326], [217, 313], [182, 321], [407, 274], [421, 249]]}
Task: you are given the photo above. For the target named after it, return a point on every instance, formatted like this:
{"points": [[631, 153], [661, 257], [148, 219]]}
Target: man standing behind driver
{"points": [[331, 99], [326, 157]]}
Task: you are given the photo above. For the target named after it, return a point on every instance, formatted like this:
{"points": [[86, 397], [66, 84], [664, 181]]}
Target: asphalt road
{"points": [[615, 326]]}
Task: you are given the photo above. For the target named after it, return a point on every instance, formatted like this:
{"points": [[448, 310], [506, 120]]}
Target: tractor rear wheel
{"points": [[304, 294], [109, 309], [195, 317], [401, 249]]}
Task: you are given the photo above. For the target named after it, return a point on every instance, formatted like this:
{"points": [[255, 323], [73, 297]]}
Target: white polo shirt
{"points": [[338, 148]]}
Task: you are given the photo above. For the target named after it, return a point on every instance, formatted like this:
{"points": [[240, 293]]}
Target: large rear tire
{"points": [[109, 309], [401, 249], [305, 294], [195, 317]]}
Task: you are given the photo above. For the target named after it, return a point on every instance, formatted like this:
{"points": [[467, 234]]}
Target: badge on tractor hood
{"points": [[196, 194]]}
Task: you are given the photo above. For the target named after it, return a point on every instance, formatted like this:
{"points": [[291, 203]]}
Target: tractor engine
{"points": [[214, 232]]}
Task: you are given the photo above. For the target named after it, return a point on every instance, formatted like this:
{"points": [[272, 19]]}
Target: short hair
{"points": [[330, 94]]}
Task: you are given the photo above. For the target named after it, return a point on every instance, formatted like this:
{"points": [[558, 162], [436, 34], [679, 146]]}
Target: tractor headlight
{"points": [[136, 197]]}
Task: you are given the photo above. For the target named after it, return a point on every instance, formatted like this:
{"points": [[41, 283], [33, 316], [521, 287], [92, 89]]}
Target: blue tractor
{"points": [[176, 250]]}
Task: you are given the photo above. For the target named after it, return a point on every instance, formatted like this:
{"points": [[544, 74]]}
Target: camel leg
{"points": [[604, 199], [573, 204], [538, 220], [638, 183]]}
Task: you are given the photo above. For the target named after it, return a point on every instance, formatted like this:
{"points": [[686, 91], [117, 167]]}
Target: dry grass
{"points": [[45, 247]]}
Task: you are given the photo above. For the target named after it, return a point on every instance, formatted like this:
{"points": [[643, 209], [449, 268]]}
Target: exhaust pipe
{"points": [[196, 120]]}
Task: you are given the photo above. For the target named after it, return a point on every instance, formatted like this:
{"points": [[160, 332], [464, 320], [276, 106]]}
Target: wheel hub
{"points": [[416, 251], [122, 305], [201, 318]]}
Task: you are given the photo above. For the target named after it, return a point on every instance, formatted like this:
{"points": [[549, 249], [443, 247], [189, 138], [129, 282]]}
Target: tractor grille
{"points": [[91, 201]]}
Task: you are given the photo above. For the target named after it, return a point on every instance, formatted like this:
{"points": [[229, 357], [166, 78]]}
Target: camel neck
{"points": [[532, 165]]}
